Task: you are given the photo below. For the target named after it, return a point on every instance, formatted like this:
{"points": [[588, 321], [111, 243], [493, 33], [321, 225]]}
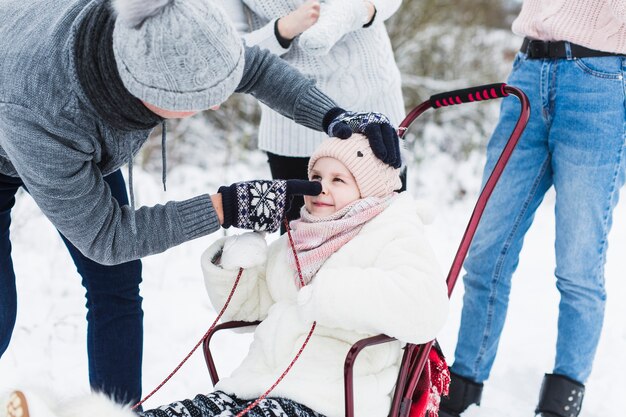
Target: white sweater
{"points": [[385, 280], [359, 72], [595, 24]]}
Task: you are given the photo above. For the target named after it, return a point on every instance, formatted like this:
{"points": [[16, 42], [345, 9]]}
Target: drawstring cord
{"points": [[219, 316], [293, 250], [306, 341], [133, 222], [163, 153]]}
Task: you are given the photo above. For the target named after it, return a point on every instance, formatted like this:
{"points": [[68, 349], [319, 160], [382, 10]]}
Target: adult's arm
{"points": [[67, 185], [283, 88], [340, 17], [264, 37], [385, 8]]}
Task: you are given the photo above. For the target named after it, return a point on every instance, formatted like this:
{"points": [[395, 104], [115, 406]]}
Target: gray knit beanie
{"points": [[177, 54]]}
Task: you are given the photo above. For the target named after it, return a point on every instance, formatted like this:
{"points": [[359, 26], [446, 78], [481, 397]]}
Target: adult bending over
{"points": [[82, 87]]}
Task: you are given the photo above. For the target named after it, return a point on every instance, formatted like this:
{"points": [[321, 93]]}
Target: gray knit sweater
{"points": [[52, 138]]}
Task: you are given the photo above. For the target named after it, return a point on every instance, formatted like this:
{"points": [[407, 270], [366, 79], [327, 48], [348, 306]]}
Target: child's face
{"points": [[339, 187]]}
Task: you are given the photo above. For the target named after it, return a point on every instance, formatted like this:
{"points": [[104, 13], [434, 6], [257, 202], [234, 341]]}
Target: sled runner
{"points": [[423, 375]]}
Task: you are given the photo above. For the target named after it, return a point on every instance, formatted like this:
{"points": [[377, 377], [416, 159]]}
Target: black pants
{"points": [[288, 168]]}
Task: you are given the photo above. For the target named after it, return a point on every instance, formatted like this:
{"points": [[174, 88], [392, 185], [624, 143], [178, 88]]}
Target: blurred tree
{"points": [[443, 45]]}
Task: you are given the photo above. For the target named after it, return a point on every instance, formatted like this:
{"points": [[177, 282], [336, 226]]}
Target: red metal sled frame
{"points": [[415, 356]]}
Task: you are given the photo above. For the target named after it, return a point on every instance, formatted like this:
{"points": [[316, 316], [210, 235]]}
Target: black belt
{"points": [[556, 49]]}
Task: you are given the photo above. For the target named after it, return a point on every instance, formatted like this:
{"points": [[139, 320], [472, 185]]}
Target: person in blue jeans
{"points": [[114, 318], [573, 73], [84, 82]]}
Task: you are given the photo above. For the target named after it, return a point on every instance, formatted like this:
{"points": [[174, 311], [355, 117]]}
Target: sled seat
{"points": [[403, 404]]}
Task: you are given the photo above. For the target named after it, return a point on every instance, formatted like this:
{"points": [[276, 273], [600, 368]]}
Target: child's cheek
{"points": [[308, 202]]}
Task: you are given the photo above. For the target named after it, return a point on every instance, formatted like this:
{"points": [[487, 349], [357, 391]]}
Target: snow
{"points": [[48, 346]]}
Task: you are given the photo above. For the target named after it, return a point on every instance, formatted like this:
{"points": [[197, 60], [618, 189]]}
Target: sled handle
{"points": [[348, 384], [483, 198], [468, 95], [208, 357], [455, 97]]}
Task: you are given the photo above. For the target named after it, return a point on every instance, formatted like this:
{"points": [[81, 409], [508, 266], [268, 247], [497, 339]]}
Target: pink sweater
{"points": [[595, 24]]}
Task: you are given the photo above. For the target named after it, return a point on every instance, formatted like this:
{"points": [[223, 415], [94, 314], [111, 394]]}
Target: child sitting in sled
{"points": [[366, 268]]}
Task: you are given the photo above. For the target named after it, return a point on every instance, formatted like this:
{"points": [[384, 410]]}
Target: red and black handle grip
{"points": [[467, 95]]}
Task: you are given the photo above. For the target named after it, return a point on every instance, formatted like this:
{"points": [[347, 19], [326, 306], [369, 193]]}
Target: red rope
{"points": [[306, 341], [262, 397], [219, 316], [295, 255]]}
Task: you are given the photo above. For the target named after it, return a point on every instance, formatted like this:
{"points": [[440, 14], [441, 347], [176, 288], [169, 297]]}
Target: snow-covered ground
{"points": [[48, 346]]}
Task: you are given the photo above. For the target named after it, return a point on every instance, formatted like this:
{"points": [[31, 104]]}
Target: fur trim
{"points": [[94, 405], [426, 211], [134, 12]]}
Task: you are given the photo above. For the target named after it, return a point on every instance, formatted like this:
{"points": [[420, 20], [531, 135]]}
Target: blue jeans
{"points": [[114, 317], [574, 141]]}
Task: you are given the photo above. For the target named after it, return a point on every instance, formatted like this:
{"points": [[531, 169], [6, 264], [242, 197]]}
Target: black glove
{"points": [[383, 138], [261, 204]]}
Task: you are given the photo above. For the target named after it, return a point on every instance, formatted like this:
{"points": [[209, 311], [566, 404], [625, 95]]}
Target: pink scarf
{"points": [[317, 238]]}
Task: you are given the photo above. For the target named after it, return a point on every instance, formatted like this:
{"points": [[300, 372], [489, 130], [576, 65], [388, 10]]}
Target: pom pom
{"points": [[134, 12]]}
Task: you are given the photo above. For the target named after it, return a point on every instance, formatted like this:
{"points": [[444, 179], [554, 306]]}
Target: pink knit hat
{"points": [[373, 176]]}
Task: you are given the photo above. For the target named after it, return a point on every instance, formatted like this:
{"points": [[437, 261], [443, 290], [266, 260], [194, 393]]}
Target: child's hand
{"points": [[338, 17], [299, 20], [244, 251]]}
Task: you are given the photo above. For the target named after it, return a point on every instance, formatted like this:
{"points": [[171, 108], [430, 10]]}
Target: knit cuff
{"points": [[197, 216], [329, 117], [284, 42], [371, 22], [312, 108], [229, 204]]}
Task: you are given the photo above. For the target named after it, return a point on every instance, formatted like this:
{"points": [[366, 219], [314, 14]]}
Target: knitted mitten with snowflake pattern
{"points": [[260, 205], [337, 17]]}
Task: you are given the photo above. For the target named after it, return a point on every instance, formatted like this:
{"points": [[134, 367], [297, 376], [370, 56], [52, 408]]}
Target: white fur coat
{"points": [[385, 280]]}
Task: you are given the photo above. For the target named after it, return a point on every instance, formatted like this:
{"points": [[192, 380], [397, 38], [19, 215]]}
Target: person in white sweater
{"points": [[366, 269], [341, 44], [572, 66]]}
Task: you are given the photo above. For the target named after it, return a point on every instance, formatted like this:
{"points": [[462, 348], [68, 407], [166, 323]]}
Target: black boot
{"points": [[560, 396], [463, 393]]}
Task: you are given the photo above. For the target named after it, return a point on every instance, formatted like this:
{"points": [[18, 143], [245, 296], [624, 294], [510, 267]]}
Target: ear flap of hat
{"points": [[134, 12]]}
